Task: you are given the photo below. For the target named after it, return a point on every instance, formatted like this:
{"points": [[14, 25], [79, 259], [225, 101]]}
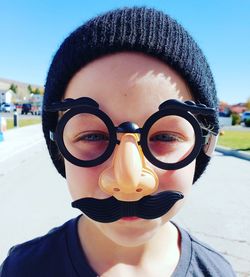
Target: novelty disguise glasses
{"points": [[171, 138]]}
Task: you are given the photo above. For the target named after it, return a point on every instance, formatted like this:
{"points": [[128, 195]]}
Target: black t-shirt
{"points": [[59, 254]]}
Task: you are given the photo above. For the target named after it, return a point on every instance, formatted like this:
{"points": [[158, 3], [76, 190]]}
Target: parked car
{"points": [[8, 108], [245, 116], [26, 108], [36, 110]]}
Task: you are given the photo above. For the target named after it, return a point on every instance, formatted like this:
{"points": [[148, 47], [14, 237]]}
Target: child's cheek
{"points": [[180, 180], [83, 182]]}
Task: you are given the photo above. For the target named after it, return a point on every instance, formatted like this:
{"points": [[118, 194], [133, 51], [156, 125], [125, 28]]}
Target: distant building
{"points": [[36, 100], [6, 96], [22, 96], [2, 96], [238, 108], [224, 109]]}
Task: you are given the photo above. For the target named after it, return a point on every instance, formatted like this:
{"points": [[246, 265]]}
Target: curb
{"points": [[235, 153]]}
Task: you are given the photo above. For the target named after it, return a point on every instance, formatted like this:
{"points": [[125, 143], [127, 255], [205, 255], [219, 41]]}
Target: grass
{"points": [[23, 122], [238, 140]]}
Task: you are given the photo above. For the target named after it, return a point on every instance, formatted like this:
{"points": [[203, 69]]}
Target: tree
{"points": [[30, 89], [248, 104], [35, 90], [13, 87]]}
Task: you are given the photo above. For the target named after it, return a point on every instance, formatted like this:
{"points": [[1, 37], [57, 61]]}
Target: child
{"points": [[130, 121]]}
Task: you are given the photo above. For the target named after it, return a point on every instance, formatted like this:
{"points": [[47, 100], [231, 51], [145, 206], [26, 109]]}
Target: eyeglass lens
{"points": [[86, 136], [171, 139]]}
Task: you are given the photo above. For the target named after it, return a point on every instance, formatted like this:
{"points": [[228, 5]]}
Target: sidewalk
{"points": [[18, 139]]}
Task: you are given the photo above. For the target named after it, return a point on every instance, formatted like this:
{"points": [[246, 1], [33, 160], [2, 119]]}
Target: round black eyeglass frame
{"points": [[169, 107]]}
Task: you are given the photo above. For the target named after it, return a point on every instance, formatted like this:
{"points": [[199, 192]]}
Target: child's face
{"points": [[128, 87]]}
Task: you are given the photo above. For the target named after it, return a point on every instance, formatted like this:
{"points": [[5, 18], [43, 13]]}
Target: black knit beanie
{"points": [[129, 29]]}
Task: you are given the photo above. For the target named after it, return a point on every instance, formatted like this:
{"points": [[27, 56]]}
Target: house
{"points": [[228, 109], [2, 96], [238, 108], [6, 96], [22, 95]]}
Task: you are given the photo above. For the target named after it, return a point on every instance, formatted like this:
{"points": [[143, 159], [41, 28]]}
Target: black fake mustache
{"points": [[110, 209]]}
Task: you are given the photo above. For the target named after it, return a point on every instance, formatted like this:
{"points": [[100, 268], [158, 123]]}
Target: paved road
{"points": [[34, 198], [218, 210]]}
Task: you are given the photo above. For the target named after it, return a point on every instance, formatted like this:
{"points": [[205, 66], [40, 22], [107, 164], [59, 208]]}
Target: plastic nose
{"points": [[128, 178]]}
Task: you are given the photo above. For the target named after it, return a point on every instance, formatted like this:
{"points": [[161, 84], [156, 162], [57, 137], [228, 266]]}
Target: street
{"points": [[34, 199]]}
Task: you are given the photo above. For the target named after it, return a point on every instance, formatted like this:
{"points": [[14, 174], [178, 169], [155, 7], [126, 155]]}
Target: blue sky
{"points": [[31, 31]]}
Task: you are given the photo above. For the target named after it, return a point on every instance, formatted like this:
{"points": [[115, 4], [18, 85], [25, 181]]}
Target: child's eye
{"points": [[170, 147], [93, 137], [166, 137]]}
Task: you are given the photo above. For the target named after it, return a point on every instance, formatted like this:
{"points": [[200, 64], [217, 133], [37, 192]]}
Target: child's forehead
{"points": [[128, 85], [126, 70]]}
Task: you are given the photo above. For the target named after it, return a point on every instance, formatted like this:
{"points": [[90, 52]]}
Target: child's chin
{"points": [[132, 232]]}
